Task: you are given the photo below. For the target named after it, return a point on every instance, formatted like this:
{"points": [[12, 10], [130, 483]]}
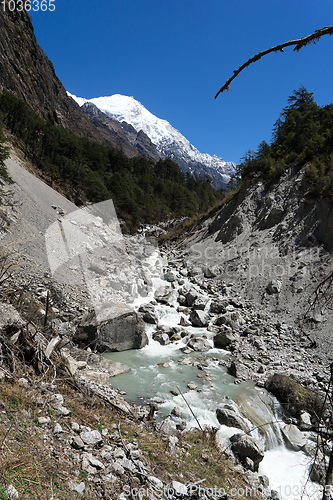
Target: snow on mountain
{"points": [[169, 141]]}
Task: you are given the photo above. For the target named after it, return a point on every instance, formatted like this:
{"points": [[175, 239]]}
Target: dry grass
{"points": [[25, 462], [39, 469], [36, 467]]}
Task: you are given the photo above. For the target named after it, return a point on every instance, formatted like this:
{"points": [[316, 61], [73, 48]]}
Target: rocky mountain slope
{"points": [[27, 72], [272, 234], [168, 141], [138, 139]]}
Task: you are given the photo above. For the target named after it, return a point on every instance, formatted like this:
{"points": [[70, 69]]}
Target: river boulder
{"points": [[148, 313], [162, 338], [169, 276], [199, 318], [245, 446], [238, 369], [295, 397], [233, 319], [199, 344], [229, 417], [224, 339], [304, 421], [163, 294], [200, 302], [294, 438], [121, 330], [190, 297]]}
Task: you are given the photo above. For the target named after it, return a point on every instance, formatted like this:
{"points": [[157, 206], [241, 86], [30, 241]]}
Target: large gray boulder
{"points": [[304, 421], [122, 330], [163, 294], [200, 302], [245, 446], [169, 276], [293, 437], [9, 317], [229, 417], [233, 319], [148, 313], [190, 297], [162, 338], [199, 318], [91, 438], [168, 426], [199, 344], [238, 369], [225, 339]]}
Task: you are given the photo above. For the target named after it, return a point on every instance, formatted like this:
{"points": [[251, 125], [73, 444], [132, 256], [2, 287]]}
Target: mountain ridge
{"points": [[139, 140], [168, 140]]}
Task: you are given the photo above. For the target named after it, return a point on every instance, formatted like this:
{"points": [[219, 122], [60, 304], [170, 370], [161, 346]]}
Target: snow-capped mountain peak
{"points": [[169, 141]]}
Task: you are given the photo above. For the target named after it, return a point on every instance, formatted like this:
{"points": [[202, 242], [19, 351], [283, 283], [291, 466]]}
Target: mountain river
{"points": [[158, 369]]}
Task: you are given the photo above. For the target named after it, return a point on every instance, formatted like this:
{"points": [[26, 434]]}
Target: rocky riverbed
{"points": [[213, 318]]}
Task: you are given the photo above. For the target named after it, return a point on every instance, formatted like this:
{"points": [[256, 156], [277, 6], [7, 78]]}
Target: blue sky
{"points": [[173, 56]]}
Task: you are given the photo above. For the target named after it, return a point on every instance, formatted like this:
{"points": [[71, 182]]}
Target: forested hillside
{"points": [[303, 135], [142, 191]]}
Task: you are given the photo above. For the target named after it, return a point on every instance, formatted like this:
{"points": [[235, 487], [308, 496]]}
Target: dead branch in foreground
{"points": [[300, 43]]}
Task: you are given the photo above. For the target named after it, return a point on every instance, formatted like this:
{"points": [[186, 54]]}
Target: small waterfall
{"points": [[259, 408], [134, 290]]}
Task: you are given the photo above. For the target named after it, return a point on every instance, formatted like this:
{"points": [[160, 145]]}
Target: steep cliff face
{"points": [[27, 72], [122, 132]]}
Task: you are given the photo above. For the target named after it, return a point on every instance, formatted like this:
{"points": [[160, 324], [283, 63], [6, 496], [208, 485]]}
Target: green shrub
{"points": [[3, 493], [303, 134]]}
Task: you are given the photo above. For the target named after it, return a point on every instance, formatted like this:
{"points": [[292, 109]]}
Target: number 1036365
{"points": [[28, 5]]}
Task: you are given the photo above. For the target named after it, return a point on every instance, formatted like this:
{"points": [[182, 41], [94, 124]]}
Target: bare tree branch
{"points": [[300, 43], [322, 297]]}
